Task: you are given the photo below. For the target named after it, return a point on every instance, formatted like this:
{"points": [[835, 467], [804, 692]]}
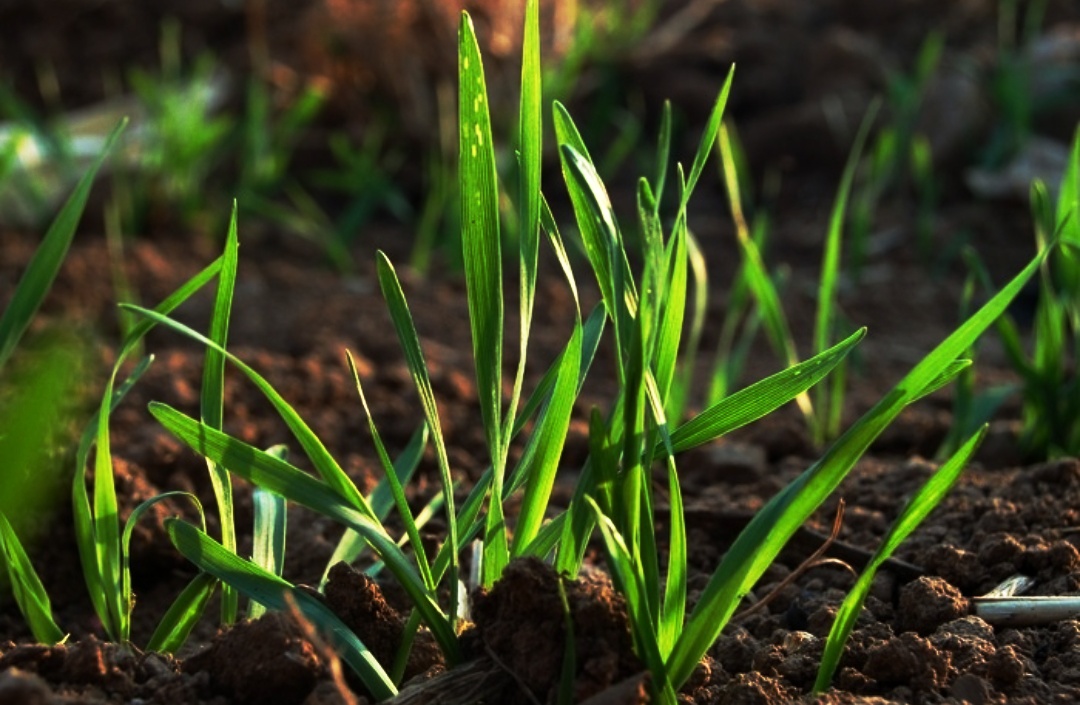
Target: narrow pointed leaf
{"points": [[276, 475], [274, 592], [764, 537], [916, 510], [212, 402], [45, 264], [175, 627], [30, 594]]}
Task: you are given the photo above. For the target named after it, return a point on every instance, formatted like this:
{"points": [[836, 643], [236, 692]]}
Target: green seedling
{"points": [[19, 444], [917, 509], [899, 155], [1050, 389], [183, 138], [29, 593], [645, 312], [269, 139], [823, 412]]}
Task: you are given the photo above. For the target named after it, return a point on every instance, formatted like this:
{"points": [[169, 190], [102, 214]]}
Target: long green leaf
{"points": [[917, 509], [126, 595], [175, 627], [480, 231], [396, 488], [30, 594], [414, 358], [276, 475], [760, 398], [764, 537], [212, 402], [320, 457], [45, 264], [483, 276], [551, 435], [275, 593]]}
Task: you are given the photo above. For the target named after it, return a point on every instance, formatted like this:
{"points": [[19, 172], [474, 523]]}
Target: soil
{"points": [[806, 72]]}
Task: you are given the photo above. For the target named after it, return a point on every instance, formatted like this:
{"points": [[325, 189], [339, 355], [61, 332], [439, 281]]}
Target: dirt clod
{"points": [[928, 602], [261, 661], [521, 622], [359, 601]]}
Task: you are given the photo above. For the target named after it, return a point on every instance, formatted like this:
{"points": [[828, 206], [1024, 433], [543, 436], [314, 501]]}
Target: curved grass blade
{"points": [[414, 357], [276, 475], [396, 488], [212, 403], [45, 264], [320, 457], [760, 398], [763, 538], [99, 552], [917, 509], [126, 596], [175, 627], [270, 590], [607, 254], [381, 499], [595, 219], [628, 583], [29, 593]]}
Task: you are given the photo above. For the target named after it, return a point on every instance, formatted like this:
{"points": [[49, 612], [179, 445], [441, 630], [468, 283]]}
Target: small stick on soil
{"points": [[815, 560], [1002, 608], [1026, 611]]}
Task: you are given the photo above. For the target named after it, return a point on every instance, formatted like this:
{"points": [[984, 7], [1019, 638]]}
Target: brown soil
{"points": [[916, 641]]}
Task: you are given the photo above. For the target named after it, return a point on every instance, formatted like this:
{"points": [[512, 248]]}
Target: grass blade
{"points": [[276, 475], [483, 275], [480, 232], [414, 357], [212, 402], [45, 264], [760, 398], [29, 593], [395, 486], [708, 138], [183, 614], [551, 435], [126, 595], [917, 509], [271, 591], [324, 463], [762, 539]]}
